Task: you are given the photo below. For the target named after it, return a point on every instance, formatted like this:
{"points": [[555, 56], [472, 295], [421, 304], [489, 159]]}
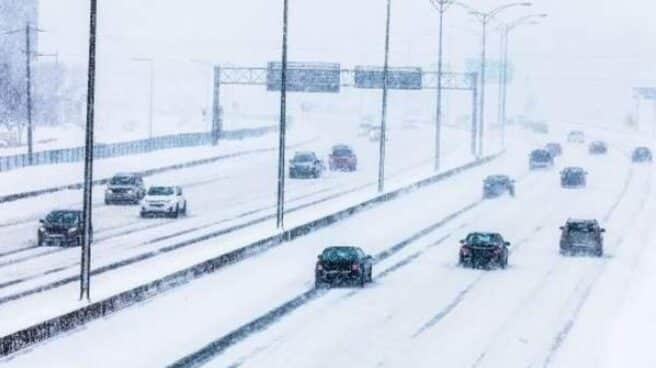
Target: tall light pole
{"points": [[85, 264], [506, 30], [282, 135], [151, 93], [383, 123], [484, 18], [441, 6]]}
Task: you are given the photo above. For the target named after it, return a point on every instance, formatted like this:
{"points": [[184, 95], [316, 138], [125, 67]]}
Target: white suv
{"points": [[161, 200]]}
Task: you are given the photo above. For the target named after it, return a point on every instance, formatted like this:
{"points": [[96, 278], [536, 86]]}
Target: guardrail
{"points": [[53, 327], [103, 151]]}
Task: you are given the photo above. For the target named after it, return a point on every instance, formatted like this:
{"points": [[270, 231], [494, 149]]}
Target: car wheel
{"points": [[363, 279], [106, 202], [176, 213], [79, 242], [184, 209]]}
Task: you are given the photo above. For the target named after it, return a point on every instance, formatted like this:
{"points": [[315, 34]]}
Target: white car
{"points": [[164, 200]]}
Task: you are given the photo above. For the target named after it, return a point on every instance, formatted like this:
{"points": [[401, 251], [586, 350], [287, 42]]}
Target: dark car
{"points": [[641, 154], [480, 250], [497, 185], [305, 164], [343, 158], [576, 136], [125, 188], [582, 237], [540, 159], [343, 265], [573, 177], [554, 148], [62, 228], [598, 148]]}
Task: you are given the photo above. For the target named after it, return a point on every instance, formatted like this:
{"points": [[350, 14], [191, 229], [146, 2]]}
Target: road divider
{"points": [[51, 328]]}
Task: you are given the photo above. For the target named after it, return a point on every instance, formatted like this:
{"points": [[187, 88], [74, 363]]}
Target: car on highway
{"points": [[540, 159], [582, 237], [641, 154], [343, 265], [62, 228], [164, 201], [598, 148], [305, 164], [125, 188], [342, 157], [497, 185], [576, 136], [556, 149], [483, 250], [573, 177]]}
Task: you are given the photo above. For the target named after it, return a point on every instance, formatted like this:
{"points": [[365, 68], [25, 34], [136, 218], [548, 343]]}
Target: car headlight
{"points": [[72, 230]]}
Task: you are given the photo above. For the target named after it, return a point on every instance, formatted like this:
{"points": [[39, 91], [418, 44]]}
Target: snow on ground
{"points": [[220, 195], [238, 293]]}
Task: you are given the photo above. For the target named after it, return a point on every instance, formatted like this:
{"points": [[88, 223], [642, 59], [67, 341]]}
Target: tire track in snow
{"points": [[565, 330], [219, 345]]}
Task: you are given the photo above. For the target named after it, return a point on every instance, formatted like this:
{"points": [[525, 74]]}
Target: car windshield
{"points": [[342, 151], [573, 173], [123, 180], [498, 179], [337, 254], [581, 232], [483, 239], [161, 191], [540, 156], [304, 157], [62, 217]]}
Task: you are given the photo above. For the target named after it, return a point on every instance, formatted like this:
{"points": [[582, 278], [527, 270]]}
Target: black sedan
{"points": [[343, 265], [598, 148], [497, 185], [573, 177], [641, 154], [482, 250]]}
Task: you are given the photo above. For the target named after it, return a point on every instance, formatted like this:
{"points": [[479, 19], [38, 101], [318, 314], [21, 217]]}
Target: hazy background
{"points": [[578, 65]]}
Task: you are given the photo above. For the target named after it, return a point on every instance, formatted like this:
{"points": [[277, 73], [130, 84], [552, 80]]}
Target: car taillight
{"points": [[465, 250], [319, 266], [355, 267], [497, 250]]}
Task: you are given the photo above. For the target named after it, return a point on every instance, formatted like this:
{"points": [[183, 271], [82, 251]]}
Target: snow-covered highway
{"points": [[422, 309]]}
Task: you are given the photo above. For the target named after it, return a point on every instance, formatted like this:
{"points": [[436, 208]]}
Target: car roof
{"points": [[65, 210], [127, 174], [553, 144], [573, 168], [497, 177], [540, 150], [300, 153], [341, 146], [582, 221]]}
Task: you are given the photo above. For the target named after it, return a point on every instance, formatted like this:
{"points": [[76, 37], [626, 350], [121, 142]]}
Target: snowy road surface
{"points": [[421, 310], [129, 251]]}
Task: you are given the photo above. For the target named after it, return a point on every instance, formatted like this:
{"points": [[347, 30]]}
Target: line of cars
{"points": [[65, 227], [307, 164]]}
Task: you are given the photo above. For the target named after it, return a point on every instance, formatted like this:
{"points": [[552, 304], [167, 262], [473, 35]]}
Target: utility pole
{"points": [[438, 118], [151, 92], [28, 80], [383, 123], [484, 18], [282, 143], [85, 264]]}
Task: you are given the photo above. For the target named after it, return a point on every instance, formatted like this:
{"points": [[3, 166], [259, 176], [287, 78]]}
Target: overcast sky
{"points": [[579, 64]]}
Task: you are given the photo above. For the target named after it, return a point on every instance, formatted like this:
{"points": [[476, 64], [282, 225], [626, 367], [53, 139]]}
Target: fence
{"points": [[102, 151]]}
